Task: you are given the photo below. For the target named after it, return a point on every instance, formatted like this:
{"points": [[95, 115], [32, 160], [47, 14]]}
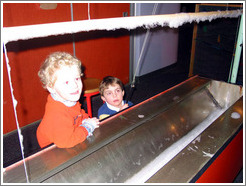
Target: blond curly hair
{"points": [[54, 62]]}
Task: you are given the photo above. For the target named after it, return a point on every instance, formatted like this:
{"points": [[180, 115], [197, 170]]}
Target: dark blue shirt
{"points": [[104, 110]]}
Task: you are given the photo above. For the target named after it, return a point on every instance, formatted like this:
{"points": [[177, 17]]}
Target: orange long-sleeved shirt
{"points": [[60, 125]]}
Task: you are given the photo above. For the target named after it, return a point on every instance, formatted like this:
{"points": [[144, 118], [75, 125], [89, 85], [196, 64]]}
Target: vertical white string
{"points": [[89, 17], [74, 51], [15, 113], [144, 44]]}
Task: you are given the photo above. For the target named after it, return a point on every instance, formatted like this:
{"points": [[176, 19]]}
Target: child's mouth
{"points": [[75, 93]]}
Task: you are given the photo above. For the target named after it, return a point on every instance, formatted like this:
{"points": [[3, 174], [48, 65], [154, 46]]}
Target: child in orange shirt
{"points": [[64, 123]]}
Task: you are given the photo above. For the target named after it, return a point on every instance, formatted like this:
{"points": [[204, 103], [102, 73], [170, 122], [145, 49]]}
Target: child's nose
{"points": [[114, 94], [74, 84]]}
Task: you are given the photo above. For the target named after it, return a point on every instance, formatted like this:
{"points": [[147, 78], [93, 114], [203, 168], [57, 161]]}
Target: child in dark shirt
{"points": [[112, 93]]}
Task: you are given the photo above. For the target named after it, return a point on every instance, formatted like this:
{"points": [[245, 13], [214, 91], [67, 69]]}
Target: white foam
{"points": [[171, 20], [150, 169], [235, 115]]}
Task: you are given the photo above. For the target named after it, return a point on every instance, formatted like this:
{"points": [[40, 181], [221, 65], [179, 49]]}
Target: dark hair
{"points": [[109, 80]]}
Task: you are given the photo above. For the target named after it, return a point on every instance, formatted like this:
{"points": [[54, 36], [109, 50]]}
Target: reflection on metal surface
{"points": [[154, 138], [188, 162]]}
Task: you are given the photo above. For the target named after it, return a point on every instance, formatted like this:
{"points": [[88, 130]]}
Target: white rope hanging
{"points": [[15, 113], [171, 20], [143, 47]]}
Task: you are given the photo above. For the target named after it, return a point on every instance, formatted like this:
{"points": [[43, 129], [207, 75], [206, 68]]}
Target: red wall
{"points": [[102, 53]]}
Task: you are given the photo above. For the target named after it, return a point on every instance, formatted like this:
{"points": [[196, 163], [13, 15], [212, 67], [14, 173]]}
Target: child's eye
{"points": [[108, 93]]}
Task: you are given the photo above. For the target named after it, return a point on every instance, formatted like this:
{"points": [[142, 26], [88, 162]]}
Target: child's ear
{"points": [[103, 98], [123, 92]]}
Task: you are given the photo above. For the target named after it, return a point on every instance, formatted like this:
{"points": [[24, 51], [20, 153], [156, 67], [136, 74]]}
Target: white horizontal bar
{"points": [[151, 21]]}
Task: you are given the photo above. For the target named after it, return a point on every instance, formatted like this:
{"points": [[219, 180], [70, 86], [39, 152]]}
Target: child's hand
{"points": [[93, 120], [124, 106], [90, 124]]}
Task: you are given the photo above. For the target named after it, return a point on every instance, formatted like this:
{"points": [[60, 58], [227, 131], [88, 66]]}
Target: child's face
{"points": [[113, 95], [68, 85]]}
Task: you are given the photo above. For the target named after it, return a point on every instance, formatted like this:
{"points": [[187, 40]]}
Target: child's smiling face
{"points": [[68, 84]]}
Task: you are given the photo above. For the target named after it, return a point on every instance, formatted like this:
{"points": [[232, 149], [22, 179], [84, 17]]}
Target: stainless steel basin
{"points": [[138, 144]]}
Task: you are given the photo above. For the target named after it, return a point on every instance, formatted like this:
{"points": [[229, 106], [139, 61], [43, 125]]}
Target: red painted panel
{"points": [[18, 14], [227, 165], [110, 48], [102, 53]]}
